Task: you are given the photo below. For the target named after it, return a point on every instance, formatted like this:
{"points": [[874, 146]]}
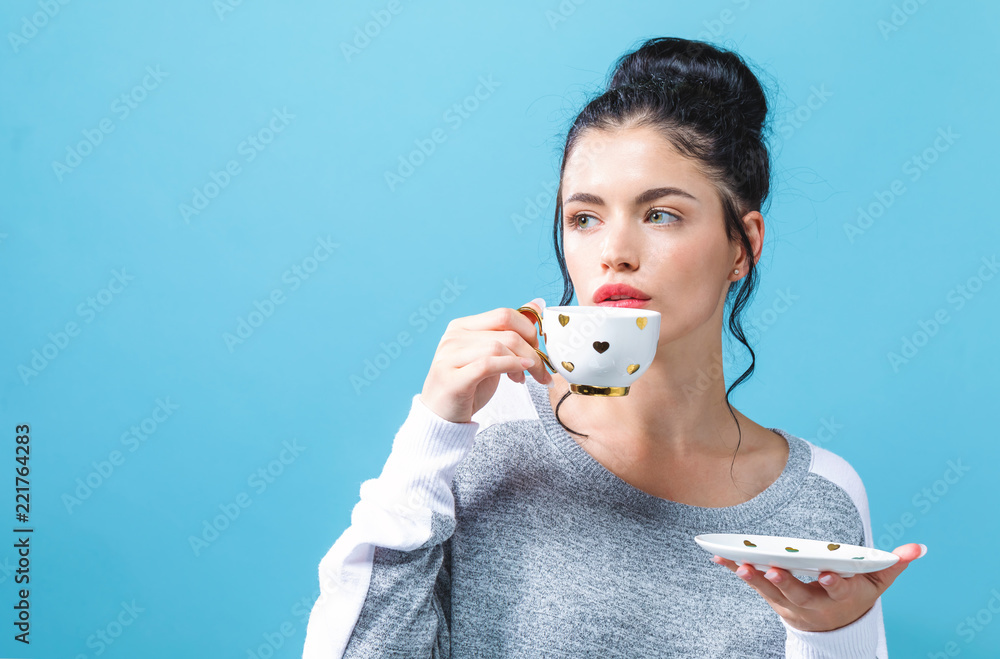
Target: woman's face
{"points": [[670, 244]]}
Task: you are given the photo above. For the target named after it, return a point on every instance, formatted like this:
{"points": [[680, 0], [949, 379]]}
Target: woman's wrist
{"points": [[856, 639]]}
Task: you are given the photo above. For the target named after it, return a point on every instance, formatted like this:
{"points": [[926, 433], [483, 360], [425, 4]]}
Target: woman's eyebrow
{"points": [[645, 197]]}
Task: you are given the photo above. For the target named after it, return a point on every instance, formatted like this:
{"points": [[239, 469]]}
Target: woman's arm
{"points": [[834, 617], [845, 614], [377, 582]]}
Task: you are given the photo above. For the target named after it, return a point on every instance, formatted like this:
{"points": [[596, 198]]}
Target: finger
{"points": [[465, 349], [501, 318], [840, 588], [907, 554], [725, 562], [806, 596], [513, 341], [770, 592], [470, 375], [485, 344]]}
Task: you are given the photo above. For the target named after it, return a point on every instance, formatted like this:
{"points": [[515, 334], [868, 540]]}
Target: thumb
{"points": [[907, 554]]}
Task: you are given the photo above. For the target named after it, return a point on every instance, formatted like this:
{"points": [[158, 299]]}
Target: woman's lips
{"points": [[629, 303]]}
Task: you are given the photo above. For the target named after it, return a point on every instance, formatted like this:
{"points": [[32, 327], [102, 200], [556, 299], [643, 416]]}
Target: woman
{"points": [[503, 525]]}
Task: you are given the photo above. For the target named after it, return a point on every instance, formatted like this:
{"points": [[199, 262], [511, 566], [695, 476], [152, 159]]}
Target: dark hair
{"points": [[711, 107]]}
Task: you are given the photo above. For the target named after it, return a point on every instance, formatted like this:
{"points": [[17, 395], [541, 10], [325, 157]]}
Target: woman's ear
{"points": [[753, 224]]}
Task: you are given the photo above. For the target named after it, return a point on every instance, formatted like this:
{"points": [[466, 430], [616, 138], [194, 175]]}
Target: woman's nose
{"points": [[621, 246]]}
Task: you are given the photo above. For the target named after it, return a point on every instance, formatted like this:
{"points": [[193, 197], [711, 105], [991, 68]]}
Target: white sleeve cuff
{"points": [[425, 453], [858, 640]]}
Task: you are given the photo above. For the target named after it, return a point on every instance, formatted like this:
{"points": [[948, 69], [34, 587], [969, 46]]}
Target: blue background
{"points": [[460, 216]]}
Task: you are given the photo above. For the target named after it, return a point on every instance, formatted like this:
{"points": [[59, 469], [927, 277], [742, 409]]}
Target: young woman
{"points": [[512, 519]]}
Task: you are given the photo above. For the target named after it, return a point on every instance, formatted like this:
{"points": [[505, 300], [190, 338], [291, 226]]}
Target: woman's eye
{"points": [[665, 215], [577, 221]]}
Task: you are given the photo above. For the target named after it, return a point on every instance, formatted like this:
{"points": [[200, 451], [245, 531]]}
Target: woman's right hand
{"points": [[472, 355]]}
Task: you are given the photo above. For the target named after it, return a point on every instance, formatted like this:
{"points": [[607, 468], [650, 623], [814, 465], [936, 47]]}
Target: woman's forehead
{"points": [[628, 162]]}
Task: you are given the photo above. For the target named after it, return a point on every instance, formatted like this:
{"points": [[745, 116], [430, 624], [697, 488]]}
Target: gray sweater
{"points": [[503, 537]]}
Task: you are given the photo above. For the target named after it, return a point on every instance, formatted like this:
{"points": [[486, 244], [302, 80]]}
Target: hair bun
{"points": [[699, 74]]}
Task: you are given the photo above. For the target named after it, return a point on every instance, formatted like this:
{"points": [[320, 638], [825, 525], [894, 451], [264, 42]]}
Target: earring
{"points": [[736, 272]]}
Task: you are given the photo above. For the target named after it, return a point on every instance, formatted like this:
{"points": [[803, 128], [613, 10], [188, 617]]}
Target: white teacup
{"points": [[599, 350]]}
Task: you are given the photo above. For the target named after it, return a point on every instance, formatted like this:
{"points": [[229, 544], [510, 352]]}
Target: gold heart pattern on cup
{"points": [[602, 346], [641, 322]]}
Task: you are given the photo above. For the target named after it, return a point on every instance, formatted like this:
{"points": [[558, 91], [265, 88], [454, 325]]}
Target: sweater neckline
{"points": [[738, 518]]}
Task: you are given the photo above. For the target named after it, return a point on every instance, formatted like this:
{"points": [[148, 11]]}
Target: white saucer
{"points": [[799, 556]]}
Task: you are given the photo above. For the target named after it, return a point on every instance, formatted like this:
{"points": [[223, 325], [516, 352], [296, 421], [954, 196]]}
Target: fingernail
{"points": [[923, 550], [743, 574], [826, 580], [773, 577], [540, 302]]}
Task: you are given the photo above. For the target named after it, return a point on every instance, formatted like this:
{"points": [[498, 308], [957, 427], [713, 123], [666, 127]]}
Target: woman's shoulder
{"points": [[830, 466], [834, 473]]}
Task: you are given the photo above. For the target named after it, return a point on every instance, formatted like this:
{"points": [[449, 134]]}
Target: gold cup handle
{"points": [[536, 317]]}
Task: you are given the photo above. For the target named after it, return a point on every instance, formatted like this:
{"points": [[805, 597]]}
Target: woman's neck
{"points": [[674, 437], [677, 406]]}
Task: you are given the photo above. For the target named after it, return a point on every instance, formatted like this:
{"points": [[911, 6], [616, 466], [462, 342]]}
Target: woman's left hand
{"points": [[828, 603]]}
